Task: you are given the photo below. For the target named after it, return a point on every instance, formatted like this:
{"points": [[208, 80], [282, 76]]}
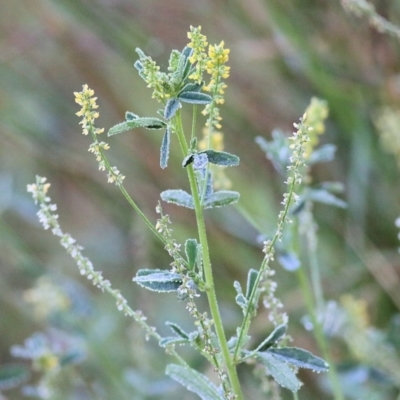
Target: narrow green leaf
{"points": [[280, 371], [221, 198], [158, 280], [191, 248], [191, 87], [164, 151], [273, 338], [178, 330], [13, 375], [300, 358], [166, 341], [195, 98], [194, 381], [148, 123], [251, 280], [323, 196], [172, 106], [187, 160], [178, 197], [241, 301], [130, 116], [221, 158], [325, 153]]}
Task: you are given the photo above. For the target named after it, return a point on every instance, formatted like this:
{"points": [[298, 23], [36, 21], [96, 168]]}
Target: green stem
{"points": [[319, 334], [210, 288]]}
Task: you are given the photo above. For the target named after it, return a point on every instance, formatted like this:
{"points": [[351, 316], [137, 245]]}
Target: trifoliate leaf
{"points": [[194, 381], [172, 106], [221, 198], [164, 151], [195, 98], [300, 358], [178, 197], [280, 371], [273, 338], [221, 158], [158, 280], [148, 123]]}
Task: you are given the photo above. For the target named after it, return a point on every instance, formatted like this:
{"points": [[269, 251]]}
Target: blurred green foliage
{"points": [[282, 54]]}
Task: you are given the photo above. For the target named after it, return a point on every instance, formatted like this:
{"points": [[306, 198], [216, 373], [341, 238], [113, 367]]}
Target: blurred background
{"points": [[282, 54]]}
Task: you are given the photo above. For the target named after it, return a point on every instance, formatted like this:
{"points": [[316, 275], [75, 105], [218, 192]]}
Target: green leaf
{"points": [[273, 338], [178, 197], [194, 381], [221, 198], [164, 151], [148, 123], [187, 160], [241, 301], [166, 341], [13, 375], [323, 196], [300, 358], [221, 158], [191, 87], [195, 98], [191, 248], [200, 161], [158, 280], [280, 371], [251, 280], [130, 116], [325, 153], [172, 106], [178, 330]]}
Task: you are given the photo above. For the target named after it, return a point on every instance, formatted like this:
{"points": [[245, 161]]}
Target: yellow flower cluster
{"points": [[316, 113], [88, 103], [198, 42]]}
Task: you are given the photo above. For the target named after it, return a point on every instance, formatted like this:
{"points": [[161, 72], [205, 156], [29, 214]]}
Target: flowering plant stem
{"points": [[210, 288]]}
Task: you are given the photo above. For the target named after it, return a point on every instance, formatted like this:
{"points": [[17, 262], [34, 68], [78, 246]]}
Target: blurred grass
{"points": [[282, 53]]}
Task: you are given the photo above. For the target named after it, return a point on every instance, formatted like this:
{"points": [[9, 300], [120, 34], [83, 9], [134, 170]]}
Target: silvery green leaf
{"points": [[191, 248], [158, 280], [13, 375], [166, 341], [221, 158], [195, 98], [148, 123], [273, 338], [178, 330], [130, 116], [323, 196], [333, 187], [178, 197], [289, 260], [172, 106], [280, 371], [300, 358], [251, 280], [194, 381], [164, 151], [191, 87], [324, 153], [241, 301], [221, 198], [187, 160], [200, 161], [238, 287]]}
